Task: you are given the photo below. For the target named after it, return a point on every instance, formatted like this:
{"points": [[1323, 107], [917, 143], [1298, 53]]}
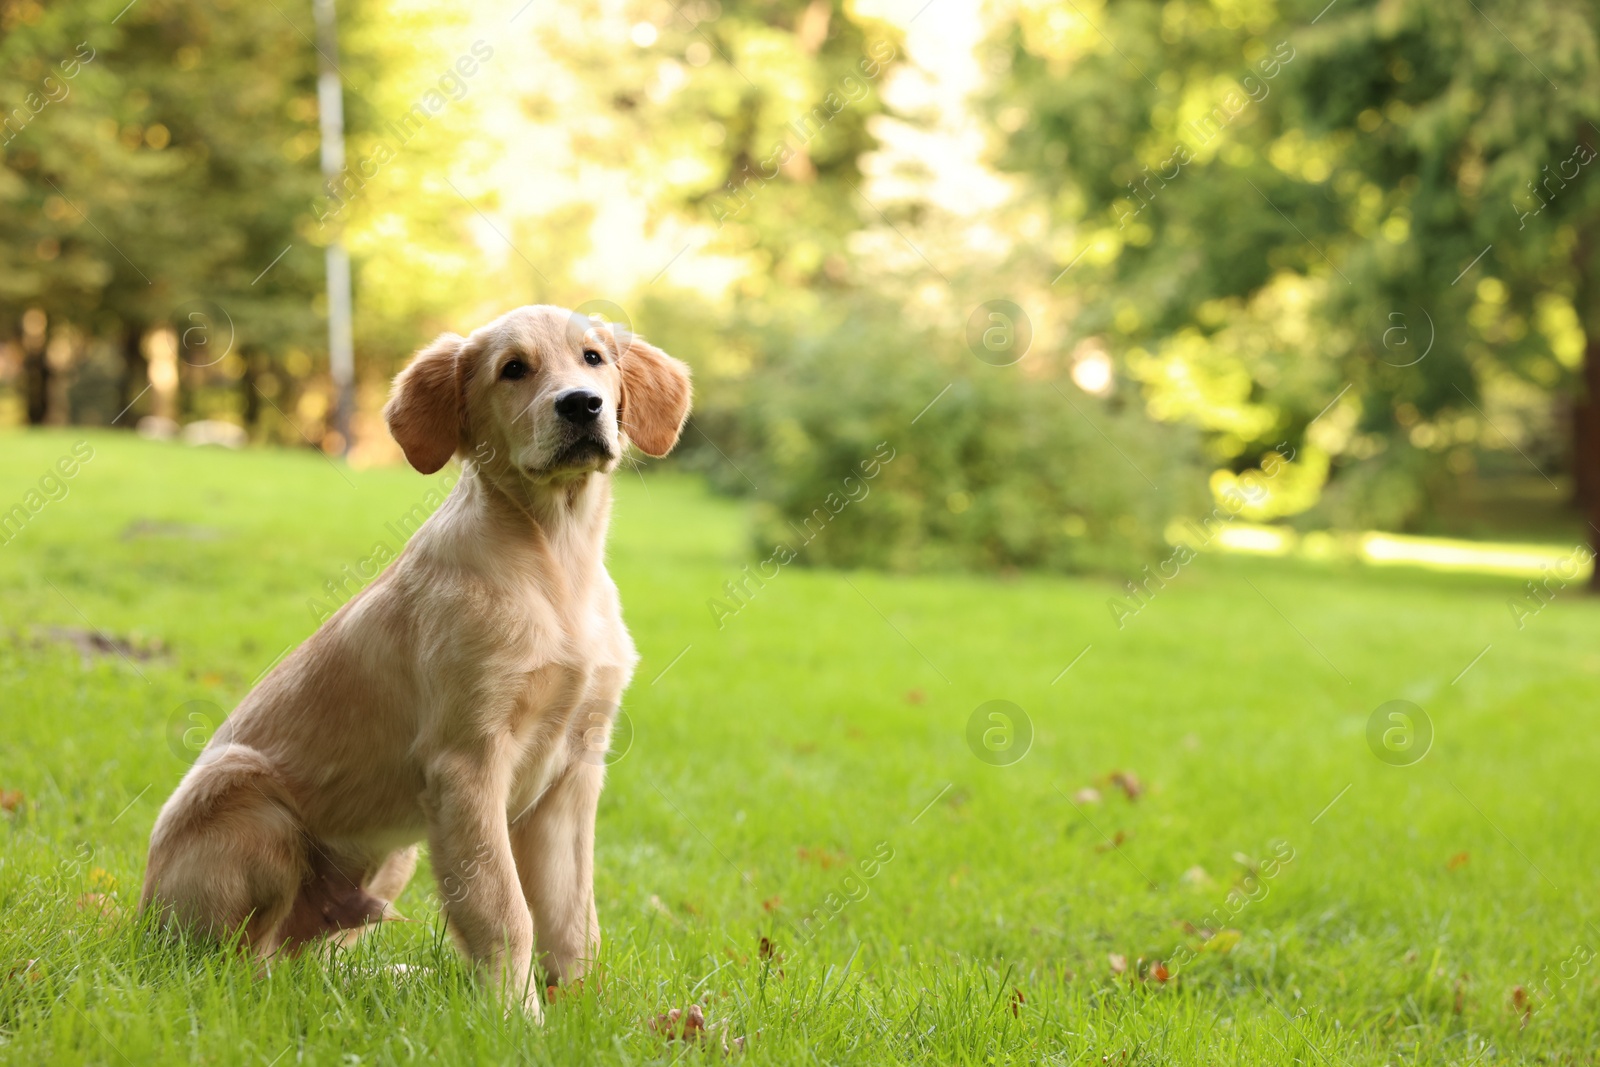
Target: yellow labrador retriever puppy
{"points": [[465, 696]]}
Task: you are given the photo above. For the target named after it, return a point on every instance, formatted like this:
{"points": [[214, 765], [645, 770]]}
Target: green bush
{"points": [[1010, 467]]}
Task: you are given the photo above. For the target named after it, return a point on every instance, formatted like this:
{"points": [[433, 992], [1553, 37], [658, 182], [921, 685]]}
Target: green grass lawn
{"points": [[819, 737]]}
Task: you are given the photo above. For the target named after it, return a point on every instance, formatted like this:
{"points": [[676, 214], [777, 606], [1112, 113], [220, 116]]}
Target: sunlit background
{"points": [[1350, 243]]}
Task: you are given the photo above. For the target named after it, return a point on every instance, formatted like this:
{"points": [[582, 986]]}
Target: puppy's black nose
{"points": [[579, 405]]}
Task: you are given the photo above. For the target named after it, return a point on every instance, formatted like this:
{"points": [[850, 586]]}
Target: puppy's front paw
{"points": [[523, 998], [527, 1005]]}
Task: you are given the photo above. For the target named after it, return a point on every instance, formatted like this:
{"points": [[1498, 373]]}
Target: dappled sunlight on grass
{"points": [[1568, 563]]}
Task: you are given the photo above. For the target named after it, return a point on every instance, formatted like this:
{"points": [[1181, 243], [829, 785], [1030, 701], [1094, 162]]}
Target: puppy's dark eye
{"points": [[591, 357], [514, 371]]}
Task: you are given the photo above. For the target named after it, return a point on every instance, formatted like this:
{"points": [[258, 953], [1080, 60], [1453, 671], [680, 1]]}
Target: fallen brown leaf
{"points": [[1159, 972], [680, 1025], [822, 857], [772, 904], [1119, 963], [916, 696], [689, 1026], [1522, 1003], [11, 800], [1017, 1001], [24, 972], [575, 987], [1458, 861], [1116, 841], [1128, 782]]}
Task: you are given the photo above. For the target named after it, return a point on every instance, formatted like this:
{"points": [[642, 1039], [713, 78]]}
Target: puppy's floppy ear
{"points": [[424, 410], [655, 396]]}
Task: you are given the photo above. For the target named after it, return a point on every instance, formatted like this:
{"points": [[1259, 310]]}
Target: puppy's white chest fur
{"points": [[573, 674]]}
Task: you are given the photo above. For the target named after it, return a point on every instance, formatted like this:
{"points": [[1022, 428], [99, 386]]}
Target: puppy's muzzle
{"points": [[579, 412], [579, 406]]}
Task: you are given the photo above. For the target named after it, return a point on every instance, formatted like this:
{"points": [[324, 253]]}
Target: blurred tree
{"points": [[238, 96], [52, 265], [736, 131], [170, 171], [176, 184], [1376, 213], [755, 112]]}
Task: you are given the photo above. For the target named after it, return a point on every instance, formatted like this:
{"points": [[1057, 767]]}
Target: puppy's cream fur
{"points": [[465, 697]]}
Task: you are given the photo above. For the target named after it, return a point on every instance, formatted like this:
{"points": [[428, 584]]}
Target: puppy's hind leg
{"points": [[389, 880], [227, 854]]}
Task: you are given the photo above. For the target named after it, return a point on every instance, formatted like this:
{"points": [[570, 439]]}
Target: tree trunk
{"points": [[247, 386], [135, 373], [183, 395], [1586, 405], [36, 377], [1586, 447], [1584, 472], [36, 384]]}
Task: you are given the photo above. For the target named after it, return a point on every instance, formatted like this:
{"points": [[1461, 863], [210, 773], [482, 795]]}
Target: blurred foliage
{"points": [[145, 168], [1359, 234], [1283, 205], [877, 445]]}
